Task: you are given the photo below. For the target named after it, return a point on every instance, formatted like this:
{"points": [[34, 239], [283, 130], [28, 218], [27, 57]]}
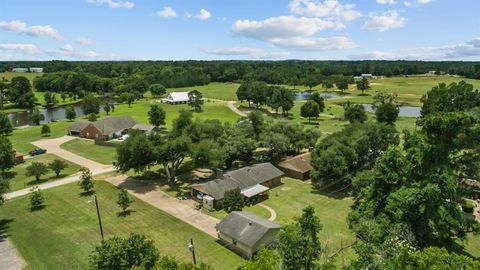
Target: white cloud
{"points": [[203, 15], [113, 3], [417, 2], [424, 1], [387, 2], [384, 22], [68, 52], [331, 9], [407, 3], [21, 48], [293, 32], [83, 41], [21, 27], [467, 50], [246, 51], [166, 12]]}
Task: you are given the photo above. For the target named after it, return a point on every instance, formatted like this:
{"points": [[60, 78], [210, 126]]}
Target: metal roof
{"points": [[252, 191]]}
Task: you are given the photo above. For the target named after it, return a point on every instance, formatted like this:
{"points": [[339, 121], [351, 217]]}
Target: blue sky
{"points": [[239, 29]]}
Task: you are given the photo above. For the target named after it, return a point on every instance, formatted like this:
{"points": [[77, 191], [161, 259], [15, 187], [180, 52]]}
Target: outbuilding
{"points": [[245, 232], [297, 167], [176, 98]]}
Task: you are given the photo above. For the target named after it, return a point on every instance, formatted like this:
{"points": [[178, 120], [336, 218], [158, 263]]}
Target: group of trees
{"points": [[38, 169], [259, 93], [19, 92], [211, 144]]}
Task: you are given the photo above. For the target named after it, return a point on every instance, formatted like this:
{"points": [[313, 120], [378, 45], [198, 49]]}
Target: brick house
{"points": [[105, 129]]}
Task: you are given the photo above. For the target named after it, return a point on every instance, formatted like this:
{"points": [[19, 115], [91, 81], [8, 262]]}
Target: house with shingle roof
{"points": [[297, 167], [108, 128], [246, 232], [253, 181]]}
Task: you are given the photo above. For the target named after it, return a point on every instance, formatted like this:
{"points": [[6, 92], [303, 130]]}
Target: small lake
{"points": [[306, 95], [406, 111], [19, 119]]}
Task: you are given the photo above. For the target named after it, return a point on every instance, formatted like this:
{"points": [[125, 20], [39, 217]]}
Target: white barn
{"points": [[176, 98]]}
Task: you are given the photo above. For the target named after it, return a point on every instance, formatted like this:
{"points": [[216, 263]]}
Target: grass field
{"points": [[22, 138], [88, 149], [211, 110], [20, 181], [63, 234], [223, 91]]}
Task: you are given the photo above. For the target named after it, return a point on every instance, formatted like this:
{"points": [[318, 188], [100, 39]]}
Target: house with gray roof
{"points": [[108, 128], [253, 181], [246, 232]]}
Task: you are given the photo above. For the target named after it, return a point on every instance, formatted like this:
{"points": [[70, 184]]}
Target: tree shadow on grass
{"points": [[37, 208], [4, 225], [338, 192], [125, 213], [87, 193]]}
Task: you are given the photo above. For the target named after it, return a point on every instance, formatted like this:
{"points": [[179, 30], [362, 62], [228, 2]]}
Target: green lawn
{"points": [[9, 75], [223, 91], [211, 110], [20, 181], [63, 234], [88, 149], [22, 138]]}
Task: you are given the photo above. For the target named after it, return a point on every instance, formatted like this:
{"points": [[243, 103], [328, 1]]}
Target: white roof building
{"points": [[176, 98]]}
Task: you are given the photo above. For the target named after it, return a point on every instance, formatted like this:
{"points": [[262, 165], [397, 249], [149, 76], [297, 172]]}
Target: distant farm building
{"points": [[245, 232], [25, 70], [253, 181], [107, 128], [365, 76], [297, 167], [176, 98]]}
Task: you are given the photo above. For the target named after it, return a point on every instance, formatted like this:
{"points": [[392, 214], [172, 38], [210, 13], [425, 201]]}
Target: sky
{"points": [[239, 29]]}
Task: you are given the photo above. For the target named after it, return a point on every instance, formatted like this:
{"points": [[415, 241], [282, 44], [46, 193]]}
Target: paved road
{"points": [[10, 259], [53, 147], [181, 209]]}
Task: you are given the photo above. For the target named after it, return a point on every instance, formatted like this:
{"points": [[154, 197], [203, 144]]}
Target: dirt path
{"points": [[10, 259], [231, 106], [273, 214], [181, 209]]}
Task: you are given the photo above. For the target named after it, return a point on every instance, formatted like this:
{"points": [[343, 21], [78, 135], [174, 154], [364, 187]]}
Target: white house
{"points": [[20, 70], [36, 70], [176, 98]]}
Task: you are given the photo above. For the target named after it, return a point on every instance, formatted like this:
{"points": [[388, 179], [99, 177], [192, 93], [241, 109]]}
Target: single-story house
{"points": [[253, 181], [246, 233], [176, 98], [108, 128], [297, 167], [20, 70], [36, 70]]}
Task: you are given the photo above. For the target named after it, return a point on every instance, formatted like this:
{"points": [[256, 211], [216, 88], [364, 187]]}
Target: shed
{"points": [[176, 98], [245, 232], [297, 167]]}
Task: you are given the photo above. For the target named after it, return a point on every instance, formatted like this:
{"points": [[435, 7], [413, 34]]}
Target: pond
{"points": [[406, 111], [306, 95], [19, 119]]}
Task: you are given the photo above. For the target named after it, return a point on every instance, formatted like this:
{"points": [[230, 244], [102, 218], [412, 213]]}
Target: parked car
{"points": [[37, 151]]}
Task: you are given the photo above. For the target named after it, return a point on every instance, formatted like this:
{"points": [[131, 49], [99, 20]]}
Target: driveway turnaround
{"points": [[273, 214], [231, 106], [181, 209], [53, 147]]}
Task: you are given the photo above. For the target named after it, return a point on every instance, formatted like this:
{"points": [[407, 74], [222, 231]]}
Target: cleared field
{"points": [[88, 149], [63, 234], [9, 75], [223, 91], [20, 181]]}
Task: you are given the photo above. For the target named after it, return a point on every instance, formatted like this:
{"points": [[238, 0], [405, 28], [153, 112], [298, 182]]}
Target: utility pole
{"points": [[99, 219], [192, 249]]}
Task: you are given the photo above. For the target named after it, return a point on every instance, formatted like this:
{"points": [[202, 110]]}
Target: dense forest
{"points": [[189, 73]]}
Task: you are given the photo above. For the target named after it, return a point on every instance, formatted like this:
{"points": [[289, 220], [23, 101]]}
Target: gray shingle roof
{"points": [[242, 178], [300, 163], [245, 227], [108, 125]]}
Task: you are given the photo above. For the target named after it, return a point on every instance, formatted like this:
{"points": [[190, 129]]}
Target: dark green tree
{"points": [[124, 200], [363, 85], [90, 104], [86, 182], [57, 166], [157, 90], [171, 154], [50, 99], [45, 130], [128, 98], [233, 200], [70, 113], [36, 117], [387, 113], [5, 125], [124, 254], [20, 92], [156, 115], [257, 120], [4, 188], [107, 108], [310, 109], [92, 117], [37, 199], [195, 100], [36, 169], [319, 100], [355, 113], [264, 259], [136, 152], [342, 84], [7, 155]]}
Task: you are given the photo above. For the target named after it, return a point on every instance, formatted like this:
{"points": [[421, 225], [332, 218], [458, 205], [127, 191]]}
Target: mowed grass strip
{"points": [[88, 149], [20, 181], [63, 234], [216, 90]]}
